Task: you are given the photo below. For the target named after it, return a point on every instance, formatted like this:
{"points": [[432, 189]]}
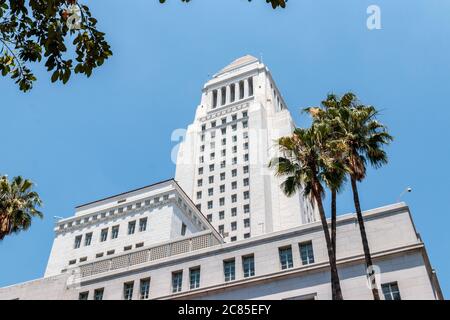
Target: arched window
{"points": [[232, 92], [224, 95], [241, 89], [250, 87], [214, 98]]}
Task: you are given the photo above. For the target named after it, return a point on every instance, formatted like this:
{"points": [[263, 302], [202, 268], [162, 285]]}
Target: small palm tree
{"points": [[301, 163], [18, 205], [364, 138]]}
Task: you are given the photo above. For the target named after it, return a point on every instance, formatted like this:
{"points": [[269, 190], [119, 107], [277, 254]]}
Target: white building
{"points": [[155, 243]]}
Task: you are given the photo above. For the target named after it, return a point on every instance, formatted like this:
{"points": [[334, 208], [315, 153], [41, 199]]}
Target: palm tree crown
{"points": [[18, 205]]}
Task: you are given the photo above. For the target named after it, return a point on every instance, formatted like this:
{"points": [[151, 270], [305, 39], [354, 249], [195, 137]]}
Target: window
{"points": [[245, 134], [110, 252], [245, 169], [222, 230], [213, 124], [222, 188], [131, 227], [233, 198], [211, 167], [221, 215], [246, 208], [233, 239], [245, 145], [245, 182], [199, 194], [212, 156], [177, 280], [233, 226], [306, 252], [77, 242], [246, 235], [210, 192], [98, 294], [245, 124], [202, 148], [224, 153], [224, 131], [391, 291], [250, 87], [200, 170], [210, 204], [234, 117], [246, 194], [201, 159], [229, 270], [214, 99], [72, 262], [88, 239], [222, 201], [233, 212], [233, 185], [183, 229], [209, 217], [246, 157], [234, 128], [248, 265], [223, 92], [222, 176], [202, 137], [104, 235], [128, 290], [234, 161], [241, 89], [232, 92], [127, 248], [244, 114], [211, 179], [224, 120], [224, 141], [247, 223], [144, 288], [194, 278], [199, 182], [83, 295], [83, 259], [142, 224], [139, 245], [286, 257], [99, 255], [234, 149], [234, 173]]}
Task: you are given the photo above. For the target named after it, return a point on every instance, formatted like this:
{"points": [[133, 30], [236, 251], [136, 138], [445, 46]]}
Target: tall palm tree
{"points": [[301, 163], [18, 205], [364, 138]]}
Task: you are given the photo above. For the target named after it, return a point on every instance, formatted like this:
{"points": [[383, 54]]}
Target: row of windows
{"points": [[223, 153], [222, 174], [246, 195], [390, 290], [114, 233], [108, 253], [235, 91], [245, 182], [223, 131], [223, 121], [233, 213]]}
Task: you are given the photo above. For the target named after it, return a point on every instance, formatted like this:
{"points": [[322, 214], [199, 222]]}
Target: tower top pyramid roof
{"points": [[239, 62]]}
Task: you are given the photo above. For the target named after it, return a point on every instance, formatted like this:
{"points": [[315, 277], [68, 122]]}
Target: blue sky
{"points": [[111, 133]]}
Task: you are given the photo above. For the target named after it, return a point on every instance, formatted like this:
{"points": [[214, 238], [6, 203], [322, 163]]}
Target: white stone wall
{"points": [[394, 244]]}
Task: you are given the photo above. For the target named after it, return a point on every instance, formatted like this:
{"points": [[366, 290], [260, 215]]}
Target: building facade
{"points": [[222, 229]]}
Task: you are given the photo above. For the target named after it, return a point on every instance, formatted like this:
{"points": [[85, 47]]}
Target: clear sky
{"points": [[108, 134]]}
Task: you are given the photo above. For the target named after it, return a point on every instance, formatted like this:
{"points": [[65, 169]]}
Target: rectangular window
{"points": [[234, 117], [221, 215], [131, 227], [210, 192], [126, 248], [83, 295], [210, 204], [241, 89], [209, 217], [233, 212], [246, 182], [214, 99], [200, 170], [194, 278], [110, 252], [233, 198], [115, 232], [222, 201], [244, 124], [88, 239], [177, 281], [229, 270], [245, 169], [199, 182], [222, 188], [183, 229], [104, 235], [250, 87], [234, 138], [248, 264], [286, 257], [224, 131], [306, 253], [234, 173], [224, 141], [83, 259], [144, 288], [223, 164], [222, 176], [234, 161], [233, 239], [139, 245], [128, 290], [233, 185], [246, 235], [391, 291], [98, 294], [246, 208], [213, 124], [246, 194], [246, 157], [211, 179], [232, 92], [223, 92], [233, 226], [142, 224], [222, 230], [77, 242], [199, 195], [247, 223]]}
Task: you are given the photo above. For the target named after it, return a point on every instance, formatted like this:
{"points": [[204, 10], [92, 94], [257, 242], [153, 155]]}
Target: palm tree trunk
{"points": [[335, 284], [333, 221], [365, 242]]}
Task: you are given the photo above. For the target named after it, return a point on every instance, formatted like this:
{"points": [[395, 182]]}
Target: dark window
{"points": [[241, 89], [306, 253], [229, 270], [177, 280], [286, 257], [83, 295], [128, 290], [144, 288], [98, 294], [131, 227], [248, 264], [143, 224], [183, 229], [194, 278], [391, 291]]}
